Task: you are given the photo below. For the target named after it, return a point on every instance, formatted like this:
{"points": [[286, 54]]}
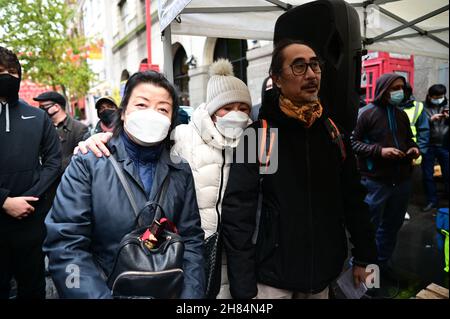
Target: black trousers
{"points": [[21, 257]]}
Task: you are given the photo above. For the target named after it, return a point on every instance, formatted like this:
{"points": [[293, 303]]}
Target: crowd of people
{"points": [[284, 233]]}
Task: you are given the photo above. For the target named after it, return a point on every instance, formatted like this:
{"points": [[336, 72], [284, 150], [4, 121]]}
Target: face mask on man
{"points": [[147, 127], [437, 101], [107, 116], [232, 124], [397, 97], [47, 110], [9, 87]]}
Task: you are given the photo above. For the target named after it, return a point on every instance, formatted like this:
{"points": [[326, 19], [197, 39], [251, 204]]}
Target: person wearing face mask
{"points": [[30, 161], [298, 245], [383, 142], [88, 220], [206, 142], [70, 131], [106, 112], [436, 108]]}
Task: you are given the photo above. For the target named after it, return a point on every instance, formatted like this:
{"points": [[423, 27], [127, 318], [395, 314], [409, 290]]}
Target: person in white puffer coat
{"points": [[207, 142]]}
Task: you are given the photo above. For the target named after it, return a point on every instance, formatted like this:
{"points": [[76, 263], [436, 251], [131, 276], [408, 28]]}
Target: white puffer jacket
{"points": [[205, 149]]}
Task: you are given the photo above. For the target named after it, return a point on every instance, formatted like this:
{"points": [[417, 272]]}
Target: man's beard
{"points": [[313, 98]]}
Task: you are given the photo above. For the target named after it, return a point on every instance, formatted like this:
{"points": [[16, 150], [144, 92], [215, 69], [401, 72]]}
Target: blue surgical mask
{"points": [[397, 97], [437, 101]]}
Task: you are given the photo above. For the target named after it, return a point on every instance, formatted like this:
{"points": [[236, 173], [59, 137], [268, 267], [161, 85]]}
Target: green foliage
{"points": [[43, 35]]}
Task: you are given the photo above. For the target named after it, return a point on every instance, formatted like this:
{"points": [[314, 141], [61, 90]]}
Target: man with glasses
{"points": [[70, 131], [30, 161], [306, 204]]}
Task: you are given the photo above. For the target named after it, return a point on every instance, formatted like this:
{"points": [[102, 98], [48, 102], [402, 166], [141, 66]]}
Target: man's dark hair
{"points": [[9, 60], [276, 65], [437, 89], [152, 77]]}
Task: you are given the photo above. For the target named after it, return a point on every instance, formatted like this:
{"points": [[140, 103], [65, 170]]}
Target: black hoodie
{"points": [[383, 125], [30, 159]]}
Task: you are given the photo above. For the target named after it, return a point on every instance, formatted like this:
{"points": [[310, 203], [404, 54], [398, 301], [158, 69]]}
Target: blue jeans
{"points": [[428, 160], [387, 206]]}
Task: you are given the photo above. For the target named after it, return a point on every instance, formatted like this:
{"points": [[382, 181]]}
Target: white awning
{"points": [[404, 26]]}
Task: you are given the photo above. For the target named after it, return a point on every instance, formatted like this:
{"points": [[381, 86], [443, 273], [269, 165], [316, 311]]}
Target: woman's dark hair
{"points": [[152, 77], [10, 61]]}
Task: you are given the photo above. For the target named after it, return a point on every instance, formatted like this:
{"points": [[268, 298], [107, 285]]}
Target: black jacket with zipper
{"points": [[306, 206], [30, 161]]}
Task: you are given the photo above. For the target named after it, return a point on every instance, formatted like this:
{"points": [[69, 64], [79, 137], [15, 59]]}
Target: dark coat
{"points": [[91, 214], [438, 129], [306, 206], [30, 161], [70, 132], [382, 125]]}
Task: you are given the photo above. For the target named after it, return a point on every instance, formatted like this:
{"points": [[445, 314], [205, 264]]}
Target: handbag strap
{"points": [[161, 197], [125, 184]]}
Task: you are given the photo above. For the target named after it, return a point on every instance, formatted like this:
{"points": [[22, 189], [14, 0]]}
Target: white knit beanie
{"points": [[224, 88]]}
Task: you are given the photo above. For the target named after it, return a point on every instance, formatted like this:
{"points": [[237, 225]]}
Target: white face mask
{"points": [[147, 127], [437, 101], [232, 124]]}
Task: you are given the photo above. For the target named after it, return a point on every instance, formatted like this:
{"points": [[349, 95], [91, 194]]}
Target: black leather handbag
{"points": [[149, 261]]}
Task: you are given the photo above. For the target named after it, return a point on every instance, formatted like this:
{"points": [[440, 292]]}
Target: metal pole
{"points": [[148, 19], [167, 48]]}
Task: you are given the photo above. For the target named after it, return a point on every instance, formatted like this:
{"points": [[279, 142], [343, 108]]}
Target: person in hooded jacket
{"points": [[88, 220], [383, 142], [30, 161], [306, 201], [207, 143]]}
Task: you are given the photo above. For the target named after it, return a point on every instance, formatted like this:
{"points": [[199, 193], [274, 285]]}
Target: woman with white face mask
{"points": [[207, 143], [91, 212]]}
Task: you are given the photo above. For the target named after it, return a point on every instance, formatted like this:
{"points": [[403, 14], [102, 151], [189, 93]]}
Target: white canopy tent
{"points": [[403, 26]]}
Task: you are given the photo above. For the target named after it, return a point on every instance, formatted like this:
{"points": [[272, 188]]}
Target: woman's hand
{"points": [[96, 143]]}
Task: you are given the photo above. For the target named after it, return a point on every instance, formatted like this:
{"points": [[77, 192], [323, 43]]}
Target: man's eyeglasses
{"points": [[300, 68]]}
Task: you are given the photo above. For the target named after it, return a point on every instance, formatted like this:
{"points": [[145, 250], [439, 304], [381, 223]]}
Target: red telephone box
{"points": [[377, 63]]}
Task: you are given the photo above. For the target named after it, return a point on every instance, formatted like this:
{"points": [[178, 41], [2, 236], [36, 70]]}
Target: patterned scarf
{"points": [[306, 113]]}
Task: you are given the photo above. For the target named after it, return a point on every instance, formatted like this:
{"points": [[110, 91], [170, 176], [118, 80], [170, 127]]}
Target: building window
{"points": [[180, 74], [234, 50], [124, 13], [443, 74]]}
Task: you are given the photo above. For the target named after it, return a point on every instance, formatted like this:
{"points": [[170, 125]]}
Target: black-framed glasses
{"points": [[300, 68]]}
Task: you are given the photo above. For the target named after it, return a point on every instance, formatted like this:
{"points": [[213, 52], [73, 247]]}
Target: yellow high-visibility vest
{"points": [[413, 115]]}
